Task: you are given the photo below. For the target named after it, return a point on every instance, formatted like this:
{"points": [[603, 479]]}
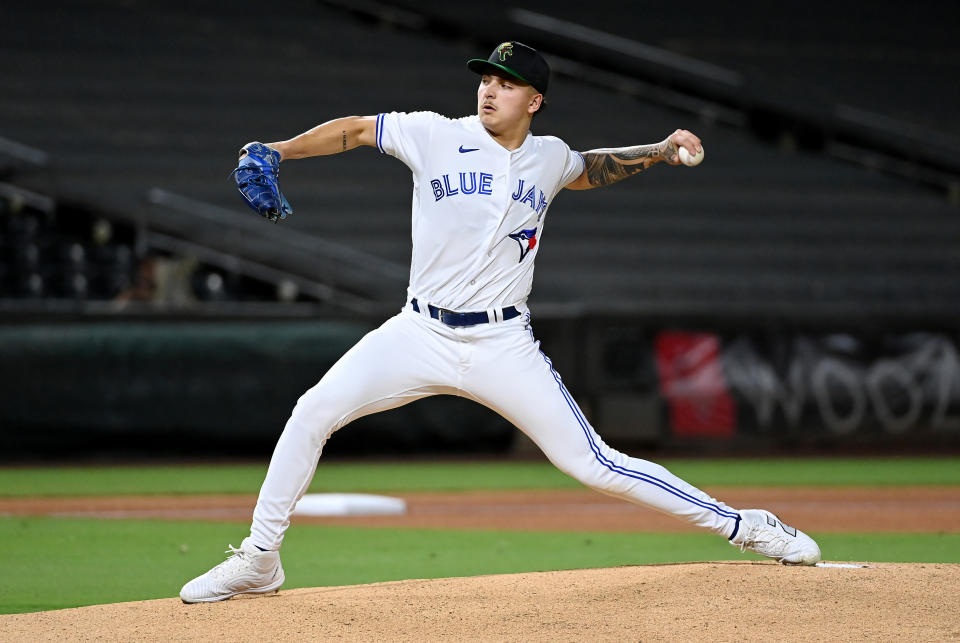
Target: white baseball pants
{"points": [[498, 365]]}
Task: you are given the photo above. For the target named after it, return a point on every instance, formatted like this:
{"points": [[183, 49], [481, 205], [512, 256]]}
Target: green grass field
{"points": [[50, 563], [462, 476]]}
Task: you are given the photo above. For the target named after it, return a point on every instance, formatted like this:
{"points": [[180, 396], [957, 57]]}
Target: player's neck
{"points": [[511, 137]]}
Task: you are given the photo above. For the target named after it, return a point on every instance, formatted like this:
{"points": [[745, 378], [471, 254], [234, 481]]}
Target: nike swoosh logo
{"points": [[464, 150]]}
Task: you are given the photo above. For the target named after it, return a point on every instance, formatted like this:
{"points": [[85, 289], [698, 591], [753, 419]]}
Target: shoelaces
{"points": [[235, 553]]}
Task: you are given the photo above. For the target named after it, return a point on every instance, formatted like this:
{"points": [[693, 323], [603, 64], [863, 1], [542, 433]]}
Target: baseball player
{"points": [[482, 186]]}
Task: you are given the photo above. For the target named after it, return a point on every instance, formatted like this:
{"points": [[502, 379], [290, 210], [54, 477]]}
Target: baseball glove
{"points": [[256, 178]]}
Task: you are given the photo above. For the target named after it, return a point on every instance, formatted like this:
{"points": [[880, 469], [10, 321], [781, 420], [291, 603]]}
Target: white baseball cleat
{"points": [[247, 571], [762, 532]]}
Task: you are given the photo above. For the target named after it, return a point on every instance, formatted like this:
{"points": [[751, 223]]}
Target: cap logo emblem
{"points": [[506, 49]]}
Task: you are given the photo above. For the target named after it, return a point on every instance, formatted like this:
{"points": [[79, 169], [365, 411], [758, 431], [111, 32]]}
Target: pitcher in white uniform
{"points": [[482, 187]]}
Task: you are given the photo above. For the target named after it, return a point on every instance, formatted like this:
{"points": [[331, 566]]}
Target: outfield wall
{"points": [[193, 387], [199, 388]]}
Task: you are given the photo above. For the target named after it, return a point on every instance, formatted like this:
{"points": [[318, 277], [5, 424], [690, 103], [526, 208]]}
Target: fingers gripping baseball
{"points": [[257, 181], [684, 140]]}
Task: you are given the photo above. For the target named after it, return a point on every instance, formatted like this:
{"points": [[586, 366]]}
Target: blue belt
{"points": [[452, 318]]}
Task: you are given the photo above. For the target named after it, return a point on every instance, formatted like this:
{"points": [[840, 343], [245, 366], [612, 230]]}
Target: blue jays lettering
{"points": [[481, 183], [468, 185]]}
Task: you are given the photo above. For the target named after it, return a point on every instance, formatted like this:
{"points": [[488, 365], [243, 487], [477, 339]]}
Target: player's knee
{"points": [[583, 470], [314, 415], [593, 478], [591, 472]]}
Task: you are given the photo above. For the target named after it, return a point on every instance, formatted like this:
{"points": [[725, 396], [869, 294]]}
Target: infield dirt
{"points": [[719, 601], [813, 509]]}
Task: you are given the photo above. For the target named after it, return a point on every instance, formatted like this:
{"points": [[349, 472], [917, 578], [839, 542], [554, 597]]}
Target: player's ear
{"points": [[535, 102]]}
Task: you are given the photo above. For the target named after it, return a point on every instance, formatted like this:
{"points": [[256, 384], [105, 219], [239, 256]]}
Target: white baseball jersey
{"points": [[478, 208]]}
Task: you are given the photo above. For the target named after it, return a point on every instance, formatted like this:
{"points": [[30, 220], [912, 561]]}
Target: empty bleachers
{"points": [[47, 258], [129, 96]]}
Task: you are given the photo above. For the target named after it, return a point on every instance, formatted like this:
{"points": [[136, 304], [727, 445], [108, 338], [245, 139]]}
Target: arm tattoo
{"points": [[609, 165], [344, 140]]}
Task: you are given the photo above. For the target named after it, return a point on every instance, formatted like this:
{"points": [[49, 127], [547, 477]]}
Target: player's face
{"points": [[504, 102]]}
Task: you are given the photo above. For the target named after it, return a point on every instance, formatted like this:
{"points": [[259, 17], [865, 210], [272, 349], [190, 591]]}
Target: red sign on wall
{"points": [[692, 383]]}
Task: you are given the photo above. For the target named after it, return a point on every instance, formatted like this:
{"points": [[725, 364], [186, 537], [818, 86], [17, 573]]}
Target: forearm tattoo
{"points": [[344, 140], [609, 165]]}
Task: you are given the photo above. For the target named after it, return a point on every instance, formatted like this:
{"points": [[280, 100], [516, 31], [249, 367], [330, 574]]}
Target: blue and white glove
{"points": [[256, 177]]}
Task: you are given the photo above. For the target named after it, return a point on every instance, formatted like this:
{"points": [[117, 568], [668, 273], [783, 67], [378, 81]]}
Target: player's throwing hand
{"points": [[681, 138]]}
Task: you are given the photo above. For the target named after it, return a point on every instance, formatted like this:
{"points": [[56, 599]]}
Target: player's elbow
{"points": [[582, 182]]}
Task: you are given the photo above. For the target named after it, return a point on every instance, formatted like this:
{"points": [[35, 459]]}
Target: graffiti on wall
{"points": [[845, 384], [835, 384]]}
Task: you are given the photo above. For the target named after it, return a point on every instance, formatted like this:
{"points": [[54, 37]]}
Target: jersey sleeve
{"points": [[406, 136], [573, 167]]}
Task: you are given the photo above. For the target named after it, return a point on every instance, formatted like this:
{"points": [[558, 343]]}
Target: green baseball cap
{"points": [[517, 60]]}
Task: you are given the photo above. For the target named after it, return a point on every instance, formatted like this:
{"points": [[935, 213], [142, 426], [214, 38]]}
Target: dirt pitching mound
{"points": [[724, 601]]}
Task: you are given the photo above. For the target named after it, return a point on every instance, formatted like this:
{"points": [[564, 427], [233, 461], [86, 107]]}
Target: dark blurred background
{"points": [[798, 292]]}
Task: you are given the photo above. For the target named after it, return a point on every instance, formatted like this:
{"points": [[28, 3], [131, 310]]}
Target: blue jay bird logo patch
{"points": [[527, 240]]}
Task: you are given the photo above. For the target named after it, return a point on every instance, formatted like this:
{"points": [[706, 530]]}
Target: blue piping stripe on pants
{"points": [[638, 475]]}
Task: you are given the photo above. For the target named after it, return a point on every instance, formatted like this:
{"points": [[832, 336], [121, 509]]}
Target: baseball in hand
{"points": [[688, 160]]}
